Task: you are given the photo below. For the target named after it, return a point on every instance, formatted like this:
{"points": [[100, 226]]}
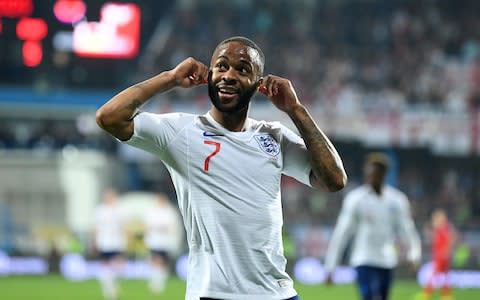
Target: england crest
{"points": [[268, 144]]}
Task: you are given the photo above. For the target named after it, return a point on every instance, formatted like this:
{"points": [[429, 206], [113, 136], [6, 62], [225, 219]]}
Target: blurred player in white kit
{"points": [[373, 214], [163, 238], [110, 242]]}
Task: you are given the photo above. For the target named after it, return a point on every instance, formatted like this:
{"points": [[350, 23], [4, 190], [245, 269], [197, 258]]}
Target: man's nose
{"points": [[229, 76]]}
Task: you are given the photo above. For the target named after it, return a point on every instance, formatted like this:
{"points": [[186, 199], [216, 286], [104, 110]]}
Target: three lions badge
{"points": [[268, 144]]}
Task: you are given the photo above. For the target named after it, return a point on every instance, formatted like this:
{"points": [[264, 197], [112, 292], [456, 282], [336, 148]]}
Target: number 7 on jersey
{"points": [[207, 160]]}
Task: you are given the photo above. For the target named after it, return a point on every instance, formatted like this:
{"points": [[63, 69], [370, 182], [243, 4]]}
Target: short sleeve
{"points": [[296, 162], [153, 132]]}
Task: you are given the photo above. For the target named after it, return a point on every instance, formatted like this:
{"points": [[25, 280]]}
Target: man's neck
{"points": [[377, 189], [231, 121]]}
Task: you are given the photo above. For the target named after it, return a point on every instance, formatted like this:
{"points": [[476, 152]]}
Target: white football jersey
{"points": [[110, 232], [161, 232], [228, 189], [374, 221]]}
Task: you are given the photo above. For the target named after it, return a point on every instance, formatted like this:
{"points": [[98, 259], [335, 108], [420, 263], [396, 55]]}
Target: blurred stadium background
{"points": [[401, 77]]}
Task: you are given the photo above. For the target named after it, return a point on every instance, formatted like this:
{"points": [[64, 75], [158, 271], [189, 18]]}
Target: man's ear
{"points": [[258, 84], [259, 81]]}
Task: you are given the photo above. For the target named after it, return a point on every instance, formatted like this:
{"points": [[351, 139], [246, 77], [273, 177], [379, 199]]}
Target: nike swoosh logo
{"points": [[206, 133]]}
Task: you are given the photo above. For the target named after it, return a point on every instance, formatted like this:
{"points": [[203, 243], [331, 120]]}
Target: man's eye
{"points": [[244, 70], [222, 66]]}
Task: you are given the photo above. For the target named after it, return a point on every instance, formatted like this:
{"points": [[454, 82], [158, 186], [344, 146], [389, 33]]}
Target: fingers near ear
{"points": [[261, 86], [205, 74], [270, 83], [261, 89]]}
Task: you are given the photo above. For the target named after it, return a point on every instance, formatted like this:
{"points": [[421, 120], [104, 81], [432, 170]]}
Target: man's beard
{"points": [[243, 101]]}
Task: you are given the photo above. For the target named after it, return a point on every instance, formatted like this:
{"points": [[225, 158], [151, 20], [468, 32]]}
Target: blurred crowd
{"points": [[50, 134], [346, 56]]}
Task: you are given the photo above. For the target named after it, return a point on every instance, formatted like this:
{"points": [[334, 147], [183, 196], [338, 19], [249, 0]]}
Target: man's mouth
{"points": [[227, 92]]}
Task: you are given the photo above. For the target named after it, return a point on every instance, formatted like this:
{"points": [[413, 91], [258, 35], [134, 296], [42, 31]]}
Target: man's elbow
{"points": [[120, 129], [329, 183], [100, 118], [105, 120], [338, 182]]}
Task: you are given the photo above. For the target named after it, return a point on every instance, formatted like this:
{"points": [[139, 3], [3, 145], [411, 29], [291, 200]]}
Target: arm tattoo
{"points": [[327, 167], [133, 108]]}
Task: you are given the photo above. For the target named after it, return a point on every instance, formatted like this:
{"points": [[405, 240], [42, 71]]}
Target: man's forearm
{"points": [[117, 114], [327, 166], [124, 105]]}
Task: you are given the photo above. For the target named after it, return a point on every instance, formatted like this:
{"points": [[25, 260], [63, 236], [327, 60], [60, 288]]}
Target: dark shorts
{"points": [[374, 282], [109, 255], [293, 298]]}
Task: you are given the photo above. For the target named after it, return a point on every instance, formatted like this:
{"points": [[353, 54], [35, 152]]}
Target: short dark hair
{"points": [[377, 158], [247, 42]]}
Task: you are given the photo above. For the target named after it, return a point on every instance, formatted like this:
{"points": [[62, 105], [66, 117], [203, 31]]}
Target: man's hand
{"points": [[280, 91], [190, 73]]}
